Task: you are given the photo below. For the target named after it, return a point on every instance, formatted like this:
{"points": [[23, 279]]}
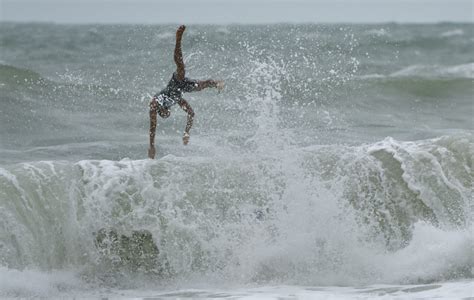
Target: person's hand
{"points": [[151, 152], [220, 85], [186, 138]]}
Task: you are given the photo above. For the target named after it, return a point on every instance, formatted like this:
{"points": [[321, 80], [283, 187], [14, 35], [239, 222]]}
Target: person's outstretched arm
{"points": [[204, 84], [178, 54], [153, 108], [187, 108]]}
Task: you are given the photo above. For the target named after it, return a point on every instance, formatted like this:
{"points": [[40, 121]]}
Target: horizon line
{"points": [[242, 23]]}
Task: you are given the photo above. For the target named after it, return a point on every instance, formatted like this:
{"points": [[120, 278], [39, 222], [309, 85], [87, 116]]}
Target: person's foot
{"points": [[151, 152], [185, 138], [180, 30]]}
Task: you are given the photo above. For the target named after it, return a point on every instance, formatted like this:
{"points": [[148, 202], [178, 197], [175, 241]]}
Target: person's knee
{"points": [[191, 112]]}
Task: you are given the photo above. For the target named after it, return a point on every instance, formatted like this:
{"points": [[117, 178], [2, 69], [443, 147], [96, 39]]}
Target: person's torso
{"points": [[176, 88], [173, 92]]}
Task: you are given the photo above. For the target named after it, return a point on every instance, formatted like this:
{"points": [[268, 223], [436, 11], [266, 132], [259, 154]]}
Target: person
{"points": [[173, 94]]}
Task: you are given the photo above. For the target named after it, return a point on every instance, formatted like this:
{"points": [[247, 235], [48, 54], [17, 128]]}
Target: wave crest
{"points": [[301, 214]]}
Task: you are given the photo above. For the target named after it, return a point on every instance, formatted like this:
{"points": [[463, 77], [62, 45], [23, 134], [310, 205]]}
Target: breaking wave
{"points": [[320, 214]]}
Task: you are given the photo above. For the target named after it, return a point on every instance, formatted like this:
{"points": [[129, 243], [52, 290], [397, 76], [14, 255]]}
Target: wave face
{"points": [[321, 214], [336, 156]]}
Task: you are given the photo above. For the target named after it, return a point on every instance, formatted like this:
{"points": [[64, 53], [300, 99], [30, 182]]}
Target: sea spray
{"points": [[336, 156], [311, 205]]}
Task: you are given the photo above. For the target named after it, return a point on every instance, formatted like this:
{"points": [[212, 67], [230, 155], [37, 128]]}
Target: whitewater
{"points": [[337, 163]]}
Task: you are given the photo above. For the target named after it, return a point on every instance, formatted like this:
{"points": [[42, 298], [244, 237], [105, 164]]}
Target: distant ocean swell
{"points": [[40, 104]]}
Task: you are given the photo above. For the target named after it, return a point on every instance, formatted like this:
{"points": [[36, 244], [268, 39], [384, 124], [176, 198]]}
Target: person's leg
{"points": [[198, 85], [178, 54], [187, 108], [153, 110]]}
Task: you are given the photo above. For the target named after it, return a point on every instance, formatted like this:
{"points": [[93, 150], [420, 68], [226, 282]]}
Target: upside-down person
{"points": [[173, 94]]}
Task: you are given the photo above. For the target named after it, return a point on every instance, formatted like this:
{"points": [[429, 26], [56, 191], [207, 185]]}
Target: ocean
{"points": [[336, 164]]}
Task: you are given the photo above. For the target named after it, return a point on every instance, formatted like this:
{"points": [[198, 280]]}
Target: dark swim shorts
{"points": [[173, 92]]}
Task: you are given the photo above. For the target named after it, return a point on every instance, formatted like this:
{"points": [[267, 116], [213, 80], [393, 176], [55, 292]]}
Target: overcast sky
{"points": [[236, 11]]}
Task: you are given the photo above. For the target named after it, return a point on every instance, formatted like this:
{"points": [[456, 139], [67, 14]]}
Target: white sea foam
{"points": [[371, 76], [223, 30], [458, 71], [38, 284], [466, 70], [425, 71], [454, 32], [290, 227], [378, 32], [64, 284], [165, 35]]}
